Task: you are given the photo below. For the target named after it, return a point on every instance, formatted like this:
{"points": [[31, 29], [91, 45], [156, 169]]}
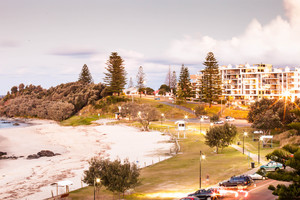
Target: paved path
{"points": [[252, 155], [177, 106]]}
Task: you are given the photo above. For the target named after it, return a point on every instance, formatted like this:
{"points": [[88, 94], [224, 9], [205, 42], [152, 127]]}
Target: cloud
{"points": [[9, 43], [74, 52], [276, 43]]}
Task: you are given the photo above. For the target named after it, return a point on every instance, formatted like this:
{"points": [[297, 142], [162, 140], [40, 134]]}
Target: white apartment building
{"points": [[245, 82]]}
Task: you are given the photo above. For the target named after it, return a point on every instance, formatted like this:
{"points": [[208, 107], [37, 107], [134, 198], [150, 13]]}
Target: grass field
{"points": [[179, 175], [82, 120]]}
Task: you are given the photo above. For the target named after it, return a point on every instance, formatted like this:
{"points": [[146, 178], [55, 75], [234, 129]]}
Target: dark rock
{"points": [[16, 124], [57, 154], [2, 153], [8, 157], [46, 153], [33, 156]]}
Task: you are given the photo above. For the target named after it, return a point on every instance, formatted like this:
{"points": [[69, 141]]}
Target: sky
{"points": [[47, 42]]}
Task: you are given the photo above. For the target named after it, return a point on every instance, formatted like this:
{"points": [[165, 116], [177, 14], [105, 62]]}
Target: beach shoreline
{"points": [[31, 179]]}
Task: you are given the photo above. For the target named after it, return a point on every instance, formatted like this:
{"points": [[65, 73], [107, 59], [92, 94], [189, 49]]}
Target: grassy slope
{"points": [[181, 172]]}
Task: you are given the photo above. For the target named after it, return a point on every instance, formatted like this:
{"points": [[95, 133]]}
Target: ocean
{"points": [[10, 124]]}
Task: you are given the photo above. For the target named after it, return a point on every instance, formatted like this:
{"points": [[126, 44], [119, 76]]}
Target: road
{"points": [[260, 192]]}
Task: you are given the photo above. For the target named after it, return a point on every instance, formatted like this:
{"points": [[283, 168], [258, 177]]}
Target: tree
{"points": [[14, 90], [220, 136], [85, 75], [163, 89], [211, 80], [200, 110], [115, 78], [143, 113], [114, 175], [149, 91], [290, 156], [169, 77], [140, 80], [130, 85], [267, 121], [184, 85], [173, 82], [268, 114], [146, 114]]}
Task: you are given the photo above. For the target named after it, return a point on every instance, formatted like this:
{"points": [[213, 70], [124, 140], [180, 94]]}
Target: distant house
{"points": [[131, 91]]}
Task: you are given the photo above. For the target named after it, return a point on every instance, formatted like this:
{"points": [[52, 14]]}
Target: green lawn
{"points": [[82, 120], [179, 175], [252, 146], [169, 111]]}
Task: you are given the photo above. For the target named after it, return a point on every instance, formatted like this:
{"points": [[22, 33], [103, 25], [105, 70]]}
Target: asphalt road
{"points": [[260, 192]]}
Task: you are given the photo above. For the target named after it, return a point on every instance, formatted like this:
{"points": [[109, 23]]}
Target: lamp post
{"points": [[245, 134], [96, 180], [201, 119], [201, 157], [162, 115]]}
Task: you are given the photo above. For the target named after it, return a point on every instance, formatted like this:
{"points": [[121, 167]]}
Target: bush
{"points": [[114, 175], [215, 118], [271, 187], [200, 110], [57, 103]]}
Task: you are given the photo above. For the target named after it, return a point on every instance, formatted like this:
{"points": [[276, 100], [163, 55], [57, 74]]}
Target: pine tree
{"points": [[169, 77], [85, 75], [130, 85], [140, 77], [211, 80], [115, 78], [173, 82], [184, 84]]}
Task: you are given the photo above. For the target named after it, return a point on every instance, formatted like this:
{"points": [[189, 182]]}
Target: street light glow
{"points": [[98, 180], [245, 133], [162, 114], [185, 116], [203, 156]]}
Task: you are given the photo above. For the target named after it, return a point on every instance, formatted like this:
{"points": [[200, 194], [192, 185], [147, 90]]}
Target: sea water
{"points": [[9, 124]]}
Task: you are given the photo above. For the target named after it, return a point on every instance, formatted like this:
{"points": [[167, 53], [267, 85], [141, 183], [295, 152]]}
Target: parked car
{"points": [[271, 166], [207, 194], [204, 117], [190, 198], [219, 122], [156, 98], [171, 98], [229, 119], [236, 181], [256, 176]]}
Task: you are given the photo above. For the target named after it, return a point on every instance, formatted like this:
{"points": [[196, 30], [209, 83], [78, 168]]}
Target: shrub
{"points": [[114, 175]]}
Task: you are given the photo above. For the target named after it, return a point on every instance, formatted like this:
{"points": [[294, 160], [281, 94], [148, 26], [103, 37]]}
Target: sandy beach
{"points": [[31, 179]]}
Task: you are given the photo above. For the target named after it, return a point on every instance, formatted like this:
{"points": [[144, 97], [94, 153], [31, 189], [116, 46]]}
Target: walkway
{"points": [[177, 106]]}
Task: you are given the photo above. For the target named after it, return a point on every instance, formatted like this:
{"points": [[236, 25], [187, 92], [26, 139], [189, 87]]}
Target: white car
{"points": [[257, 176], [219, 122], [204, 117], [229, 119]]}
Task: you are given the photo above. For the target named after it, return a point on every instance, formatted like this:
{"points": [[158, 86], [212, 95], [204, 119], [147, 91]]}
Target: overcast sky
{"points": [[47, 42]]}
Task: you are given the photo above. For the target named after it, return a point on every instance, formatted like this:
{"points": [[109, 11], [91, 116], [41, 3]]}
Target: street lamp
{"points": [[185, 117], [201, 157], [201, 119], [96, 181], [162, 115], [245, 134]]}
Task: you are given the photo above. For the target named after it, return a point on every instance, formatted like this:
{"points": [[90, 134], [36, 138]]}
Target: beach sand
{"points": [[31, 179]]}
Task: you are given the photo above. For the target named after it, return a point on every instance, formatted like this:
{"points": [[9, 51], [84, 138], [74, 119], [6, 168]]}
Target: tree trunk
{"points": [[217, 149]]}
